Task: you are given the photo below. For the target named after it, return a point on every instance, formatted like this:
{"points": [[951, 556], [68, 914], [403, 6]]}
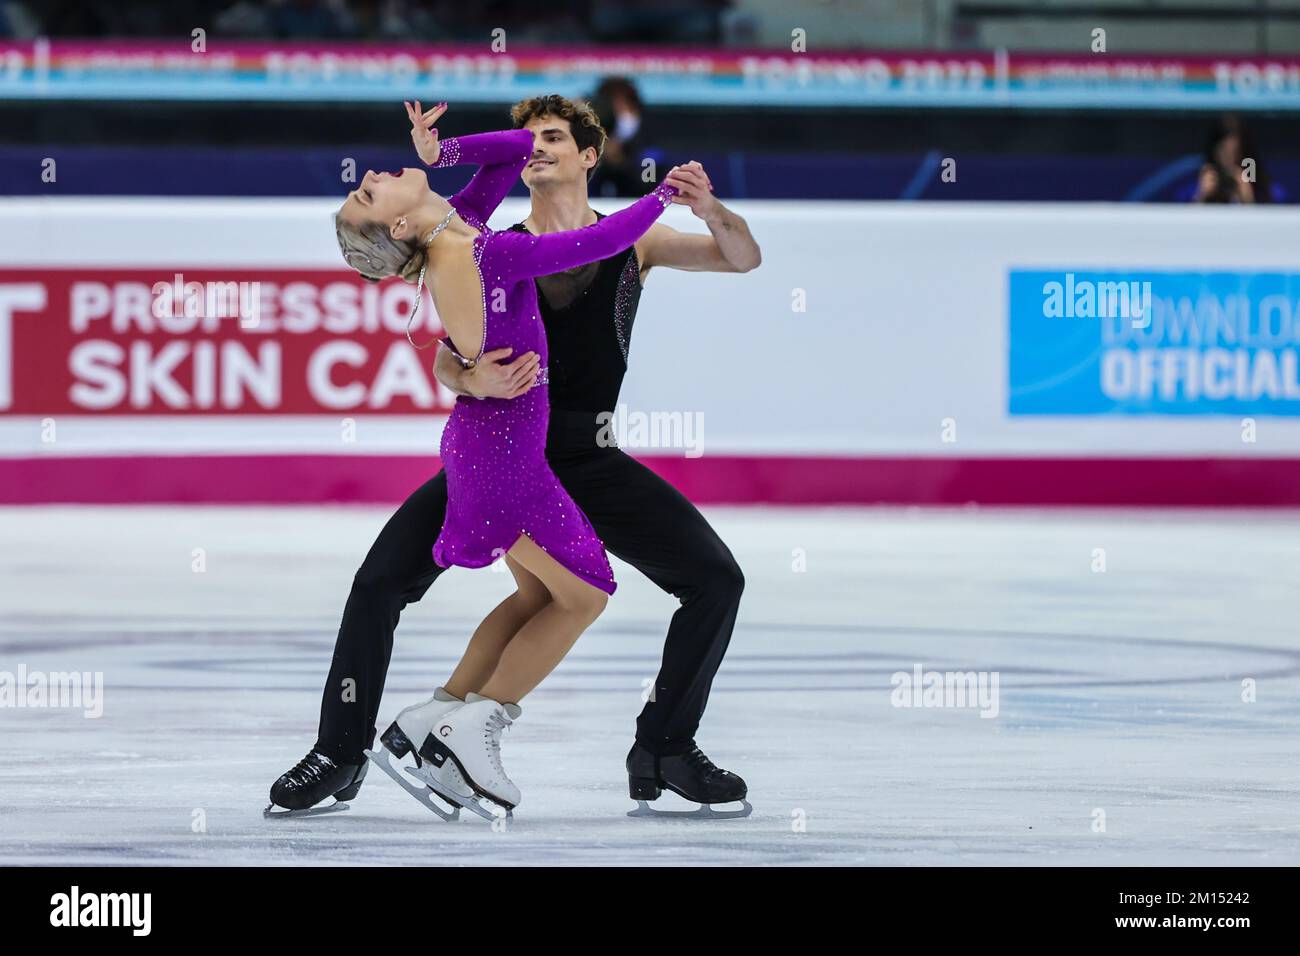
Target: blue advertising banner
{"points": [[1153, 343], [193, 69]]}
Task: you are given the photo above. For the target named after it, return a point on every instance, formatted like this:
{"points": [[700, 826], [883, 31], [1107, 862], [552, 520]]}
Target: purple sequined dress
{"points": [[499, 484]]}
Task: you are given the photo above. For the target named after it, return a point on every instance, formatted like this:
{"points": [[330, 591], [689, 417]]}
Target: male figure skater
{"points": [[588, 313]]}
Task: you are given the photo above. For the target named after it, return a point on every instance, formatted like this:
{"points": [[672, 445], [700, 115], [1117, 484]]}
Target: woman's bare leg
{"points": [[483, 654], [548, 635]]}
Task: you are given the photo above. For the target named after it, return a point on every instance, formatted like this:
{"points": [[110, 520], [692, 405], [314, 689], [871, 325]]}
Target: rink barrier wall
{"points": [[883, 352]]}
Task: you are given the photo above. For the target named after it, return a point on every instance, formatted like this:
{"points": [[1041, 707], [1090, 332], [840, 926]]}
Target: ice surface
{"points": [[1120, 692]]}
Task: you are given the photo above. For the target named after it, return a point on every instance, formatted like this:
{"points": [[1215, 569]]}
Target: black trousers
{"points": [[640, 517]]}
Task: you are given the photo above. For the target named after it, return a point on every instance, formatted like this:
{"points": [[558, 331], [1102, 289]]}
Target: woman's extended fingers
{"points": [[417, 118], [426, 118]]}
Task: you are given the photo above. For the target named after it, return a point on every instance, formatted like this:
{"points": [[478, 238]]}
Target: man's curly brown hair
{"points": [[583, 124]]}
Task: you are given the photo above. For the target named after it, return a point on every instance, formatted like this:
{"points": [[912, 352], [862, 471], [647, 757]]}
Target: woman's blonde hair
{"points": [[373, 252]]}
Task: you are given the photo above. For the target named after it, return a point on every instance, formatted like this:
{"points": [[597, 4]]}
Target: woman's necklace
{"points": [[419, 285]]}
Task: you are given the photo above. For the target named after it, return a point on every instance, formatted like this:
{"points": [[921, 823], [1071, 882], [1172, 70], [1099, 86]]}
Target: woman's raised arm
{"points": [[519, 254], [502, 157]]}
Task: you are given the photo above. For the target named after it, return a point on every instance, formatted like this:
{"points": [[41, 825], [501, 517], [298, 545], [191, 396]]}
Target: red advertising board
{"points": [[212, 341]]}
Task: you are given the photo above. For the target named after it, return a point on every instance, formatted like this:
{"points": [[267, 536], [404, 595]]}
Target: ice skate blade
{"points": [[272, 812], [384, 761], [422, 774], [486, 809], [478, 805], [704, 811]]}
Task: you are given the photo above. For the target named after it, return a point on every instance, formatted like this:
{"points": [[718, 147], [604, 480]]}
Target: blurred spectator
{"points": [[71, 18], [1233, 171], [618, 105], [525, 21], [664, 21], [312, 20], [395, 20], [17, 22], [246, 19]]}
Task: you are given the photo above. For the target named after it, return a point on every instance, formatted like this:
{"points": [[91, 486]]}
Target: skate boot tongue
{"points": [[512, 710]]}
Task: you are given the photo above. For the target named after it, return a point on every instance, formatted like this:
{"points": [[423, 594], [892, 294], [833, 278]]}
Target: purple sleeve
{"points": [[520, 255], [501, 157]]}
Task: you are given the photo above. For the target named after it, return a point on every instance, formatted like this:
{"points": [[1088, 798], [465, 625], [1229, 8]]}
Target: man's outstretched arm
{"points": [[729, 247]]}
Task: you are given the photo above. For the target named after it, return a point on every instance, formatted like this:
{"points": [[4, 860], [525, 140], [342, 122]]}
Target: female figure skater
{"points": [[503, 499]]}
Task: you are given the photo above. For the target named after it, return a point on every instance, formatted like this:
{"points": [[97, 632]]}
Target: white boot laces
{"points": [[496, 723]]}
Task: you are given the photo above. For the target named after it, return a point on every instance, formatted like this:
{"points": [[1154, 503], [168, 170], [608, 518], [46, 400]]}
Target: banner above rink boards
{"points": [[73, 70]]}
